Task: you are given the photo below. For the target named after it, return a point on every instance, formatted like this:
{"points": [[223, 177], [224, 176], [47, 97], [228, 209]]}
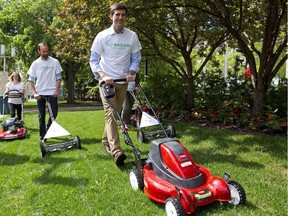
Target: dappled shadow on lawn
{"points": [[222, 158], [52, 160], [90, 141], [241, 143], [130, 164], [221, 207], [34, 130], [48, 178], [8, 159]]}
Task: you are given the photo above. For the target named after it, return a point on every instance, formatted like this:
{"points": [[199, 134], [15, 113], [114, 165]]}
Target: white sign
{"points": [[147, 120], [55, 130]]}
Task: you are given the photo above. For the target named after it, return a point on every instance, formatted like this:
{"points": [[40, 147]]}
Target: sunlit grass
{"points": [[87, 182]]}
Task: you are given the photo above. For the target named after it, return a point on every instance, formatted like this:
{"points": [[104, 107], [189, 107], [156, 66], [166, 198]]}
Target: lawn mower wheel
{"points": [[43, 149], [141, 136], [77, 142], [136, 179], [238, 194], [173, 207]]}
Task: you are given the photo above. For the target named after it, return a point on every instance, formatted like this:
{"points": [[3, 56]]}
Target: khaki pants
{"points": [[110, 134]]}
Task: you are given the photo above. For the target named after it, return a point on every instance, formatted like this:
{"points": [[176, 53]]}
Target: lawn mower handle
{"points": [[47, 98], [13, 95], [150, 106], [115, 80], [128, 140]]}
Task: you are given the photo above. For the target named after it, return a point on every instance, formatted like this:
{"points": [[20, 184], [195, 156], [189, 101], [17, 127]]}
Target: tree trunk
{"points": [[71, 70], [70, 86], [259, 101], [260, 85], [190, 94]]}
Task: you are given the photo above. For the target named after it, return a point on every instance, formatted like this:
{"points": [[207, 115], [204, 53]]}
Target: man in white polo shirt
{"points": [[115, 54]]}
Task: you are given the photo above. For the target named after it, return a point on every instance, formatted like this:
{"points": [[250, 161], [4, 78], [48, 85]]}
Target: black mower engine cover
{"points": [[11, 124]]}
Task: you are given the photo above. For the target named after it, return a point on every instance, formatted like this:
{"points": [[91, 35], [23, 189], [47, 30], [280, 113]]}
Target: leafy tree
{"points": [[179, 36], [74, 29], [251, 23], [22, 24]]}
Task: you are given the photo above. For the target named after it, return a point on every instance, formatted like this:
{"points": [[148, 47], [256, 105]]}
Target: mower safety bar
{"points": [[157, 134], [151, 108], [9, 94]]}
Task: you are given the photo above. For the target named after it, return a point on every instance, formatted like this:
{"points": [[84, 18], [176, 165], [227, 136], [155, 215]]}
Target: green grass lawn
{"points": [[63, 103], [87, 182]]}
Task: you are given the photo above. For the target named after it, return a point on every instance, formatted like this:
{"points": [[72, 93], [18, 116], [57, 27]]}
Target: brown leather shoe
{"points": [[120, 157]]}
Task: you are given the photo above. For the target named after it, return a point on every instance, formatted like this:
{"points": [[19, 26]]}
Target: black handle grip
{"points": [[115, 80], [120, 80]]}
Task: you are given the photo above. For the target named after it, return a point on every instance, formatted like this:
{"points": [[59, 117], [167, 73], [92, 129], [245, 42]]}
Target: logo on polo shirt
{"points": [[118, 45]]}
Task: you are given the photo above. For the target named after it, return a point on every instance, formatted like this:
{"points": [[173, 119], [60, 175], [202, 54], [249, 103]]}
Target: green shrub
{"points": [[277, 98], [217, 100], [165, 91]]}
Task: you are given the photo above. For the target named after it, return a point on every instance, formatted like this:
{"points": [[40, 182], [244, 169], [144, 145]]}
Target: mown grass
{"points": [[62, 103], [87, 182]]}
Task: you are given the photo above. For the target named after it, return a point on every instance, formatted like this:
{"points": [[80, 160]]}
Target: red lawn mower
{"points": [[170, 176], [12, 128]]}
